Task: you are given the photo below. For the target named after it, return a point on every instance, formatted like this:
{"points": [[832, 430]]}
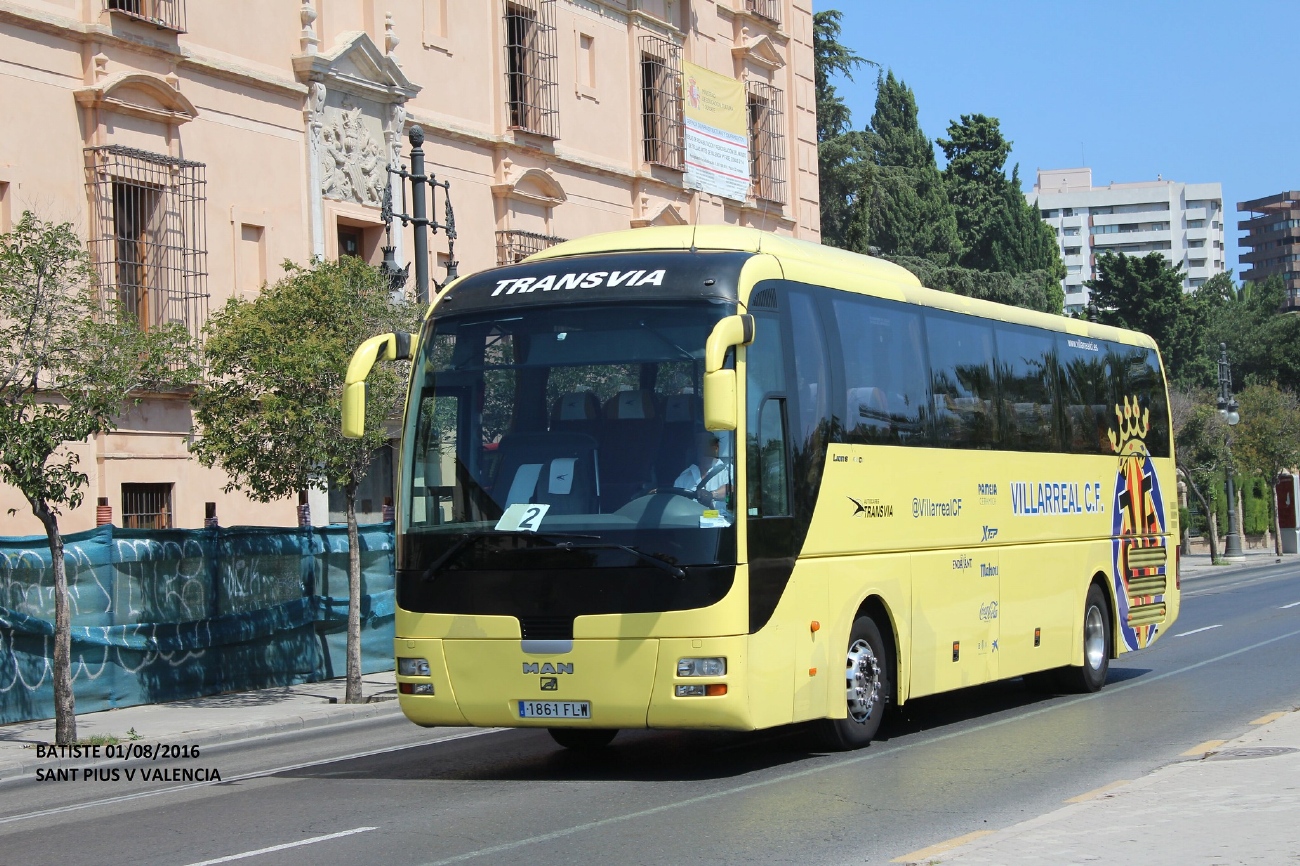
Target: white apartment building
{"points": [[1183, 221]]}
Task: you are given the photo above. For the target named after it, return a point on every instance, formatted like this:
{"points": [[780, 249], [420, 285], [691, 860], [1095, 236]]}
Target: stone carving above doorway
{"points": [[353, 163]]}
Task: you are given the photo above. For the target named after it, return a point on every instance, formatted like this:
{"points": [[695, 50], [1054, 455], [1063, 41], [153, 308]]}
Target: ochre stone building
{"points": [[197, 144]]}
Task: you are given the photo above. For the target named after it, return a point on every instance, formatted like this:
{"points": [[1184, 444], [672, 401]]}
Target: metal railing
{"points": [[661, 102], [766, 141], [531, 66], [167, 14], [149, 234], [146, 506], [515, 246], [769, 9]]}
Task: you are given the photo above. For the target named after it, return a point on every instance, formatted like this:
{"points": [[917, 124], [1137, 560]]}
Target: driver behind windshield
{"points": [[708, 477]]}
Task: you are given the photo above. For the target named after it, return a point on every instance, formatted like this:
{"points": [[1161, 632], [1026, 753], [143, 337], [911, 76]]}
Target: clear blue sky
{"points": [[1194, 90]]}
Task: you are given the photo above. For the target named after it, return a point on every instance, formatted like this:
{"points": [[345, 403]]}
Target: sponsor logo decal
{"points": [[871, 508], [585, 280], [932, 508], [987, 570], [988, 611], [990, 533], [961, 563], [1085, 345]]}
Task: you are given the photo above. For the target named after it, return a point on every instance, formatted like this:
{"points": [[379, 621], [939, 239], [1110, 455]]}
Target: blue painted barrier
{"points": [[164, 615]]}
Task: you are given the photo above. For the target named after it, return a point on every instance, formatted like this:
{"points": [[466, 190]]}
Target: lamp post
{"points": [[419, 216], [1228, 411]]}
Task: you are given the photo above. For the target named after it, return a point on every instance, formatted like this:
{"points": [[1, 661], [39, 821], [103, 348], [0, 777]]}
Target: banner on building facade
{"points": [[717, 133]]}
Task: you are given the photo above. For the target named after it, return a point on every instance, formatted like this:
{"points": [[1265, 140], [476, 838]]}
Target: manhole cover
{"points": [[1252, 752]]}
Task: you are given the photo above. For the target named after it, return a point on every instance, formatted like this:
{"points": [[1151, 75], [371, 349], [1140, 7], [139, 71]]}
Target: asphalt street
{"points": [[384, 791]]}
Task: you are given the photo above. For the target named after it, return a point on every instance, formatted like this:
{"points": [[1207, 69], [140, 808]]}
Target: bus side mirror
{"points": [[720, 411], [395, 347]]}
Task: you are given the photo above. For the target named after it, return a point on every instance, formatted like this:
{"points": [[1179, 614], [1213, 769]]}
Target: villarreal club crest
{"points": [[1138, 547]]}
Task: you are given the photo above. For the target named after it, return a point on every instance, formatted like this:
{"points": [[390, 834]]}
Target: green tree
{"points": [[910, 214], [1267, 441], [1200, 452], [1034, 290], [71, 363], [1264, 344], [1146, 294], [268, 413], [845, 171]]}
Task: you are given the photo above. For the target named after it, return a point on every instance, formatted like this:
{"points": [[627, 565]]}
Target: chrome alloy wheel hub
{"points": [[861, 681], [1094, 638]]}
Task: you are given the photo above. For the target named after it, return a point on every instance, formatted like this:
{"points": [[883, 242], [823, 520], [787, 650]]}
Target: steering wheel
{"points": [[688, 493]]}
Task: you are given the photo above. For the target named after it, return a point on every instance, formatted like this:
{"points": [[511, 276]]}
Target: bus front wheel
{"points": [[867, 687], [1098, 642], [583, 739]]}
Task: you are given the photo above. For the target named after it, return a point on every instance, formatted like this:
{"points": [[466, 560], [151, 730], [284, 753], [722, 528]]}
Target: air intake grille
{"points": [[546, 627], [1146, 614]]}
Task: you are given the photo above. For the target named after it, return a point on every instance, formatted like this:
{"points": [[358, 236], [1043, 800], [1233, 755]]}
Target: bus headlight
{"points": [[413, 667], [710, 667]]}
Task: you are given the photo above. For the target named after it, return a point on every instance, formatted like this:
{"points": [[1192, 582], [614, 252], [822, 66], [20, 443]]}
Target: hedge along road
{"points": [[982, 758]]}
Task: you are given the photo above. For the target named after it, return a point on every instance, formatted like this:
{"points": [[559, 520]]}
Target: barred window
{"points": [[515, 246], [766, 141], [531, 62], [149, 236], [146, 506], [167, 14], [769, 9], [661, 102]]}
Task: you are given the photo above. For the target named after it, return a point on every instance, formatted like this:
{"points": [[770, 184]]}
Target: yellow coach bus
{"points": [[709, 477]]}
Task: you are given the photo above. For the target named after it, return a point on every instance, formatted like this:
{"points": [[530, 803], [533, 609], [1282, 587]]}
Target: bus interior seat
{"points": [[557, 469], [577, 412], [629, 440], [682, 414]]}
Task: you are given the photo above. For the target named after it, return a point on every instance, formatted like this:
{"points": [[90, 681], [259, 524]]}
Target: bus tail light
{"points": [[415, 688], [712, 690]]}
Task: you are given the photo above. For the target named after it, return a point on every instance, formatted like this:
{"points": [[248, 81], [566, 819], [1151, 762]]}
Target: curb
{"points": [[336, 714]]}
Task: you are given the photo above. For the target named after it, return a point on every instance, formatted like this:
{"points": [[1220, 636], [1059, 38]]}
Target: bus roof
{"points": [[804, 261]]}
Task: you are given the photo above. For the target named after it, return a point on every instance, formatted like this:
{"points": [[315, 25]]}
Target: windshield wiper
{"points": [[471, 537], [674, 570]]}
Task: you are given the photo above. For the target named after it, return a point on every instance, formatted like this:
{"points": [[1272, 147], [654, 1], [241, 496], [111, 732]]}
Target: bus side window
{"points": [[962, 382], [764, 387], [1085, 394], [769, 484], [1026, 374], [884, 372]]}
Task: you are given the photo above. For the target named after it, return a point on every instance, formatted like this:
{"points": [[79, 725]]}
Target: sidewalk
{"points": [[209, 720], [1226, 804], [1196, 565]]}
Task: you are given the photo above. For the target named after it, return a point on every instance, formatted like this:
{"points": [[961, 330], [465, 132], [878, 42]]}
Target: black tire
{"points": [[583, 739], [868, 685], [1098, 645]]}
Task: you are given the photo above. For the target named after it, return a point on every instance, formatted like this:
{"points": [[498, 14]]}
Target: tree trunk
{"points": [[353, 694], [1277, 521], [1211, 521], [65, 707], [1239, 519]]}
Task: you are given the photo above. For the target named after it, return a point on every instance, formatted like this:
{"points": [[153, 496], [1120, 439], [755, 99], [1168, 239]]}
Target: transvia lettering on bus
{"points": [[1055, 497], [871, 508], [548, 668], [586, 280], [930, 508]]}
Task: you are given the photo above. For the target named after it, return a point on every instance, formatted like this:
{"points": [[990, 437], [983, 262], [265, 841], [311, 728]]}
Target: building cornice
{"points": [[183, 57]]}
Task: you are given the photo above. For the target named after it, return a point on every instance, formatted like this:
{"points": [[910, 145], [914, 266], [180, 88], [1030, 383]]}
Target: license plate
{"points": [[555, 709]]}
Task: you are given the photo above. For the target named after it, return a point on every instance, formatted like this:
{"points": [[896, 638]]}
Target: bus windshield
{"points": [[533, 433]]}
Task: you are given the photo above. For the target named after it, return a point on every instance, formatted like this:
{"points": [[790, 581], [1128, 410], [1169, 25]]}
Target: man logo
{"points": [[550, 684], [548, 668]]}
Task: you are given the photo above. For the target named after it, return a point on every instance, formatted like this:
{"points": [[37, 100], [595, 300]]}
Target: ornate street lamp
{"points": [[396, 276], [419, 215], [1229, 412]]}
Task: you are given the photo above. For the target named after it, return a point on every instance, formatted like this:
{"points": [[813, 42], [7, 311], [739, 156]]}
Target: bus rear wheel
{"points": [[1098, 643], [867, 687], [583, 739]]}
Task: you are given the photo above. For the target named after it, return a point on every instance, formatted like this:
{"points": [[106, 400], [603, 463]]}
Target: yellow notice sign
{"points": [[717, 133]]}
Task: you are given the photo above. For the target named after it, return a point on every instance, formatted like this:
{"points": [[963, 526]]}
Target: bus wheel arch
{"points": [[870, 675], [1098, 634]]}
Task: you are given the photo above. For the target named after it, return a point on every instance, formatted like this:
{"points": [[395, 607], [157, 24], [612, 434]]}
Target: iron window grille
{"points": [[769, 9], [149, 235], [515, 246], [167, 14], [531, 63], [661, 102], [766, 141], [146, 506]]}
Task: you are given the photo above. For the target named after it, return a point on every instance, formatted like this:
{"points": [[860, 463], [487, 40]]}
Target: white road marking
{"points": [[1292, 604], [311, 841], [108, 801], [1198, 630], [845, 762]]}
